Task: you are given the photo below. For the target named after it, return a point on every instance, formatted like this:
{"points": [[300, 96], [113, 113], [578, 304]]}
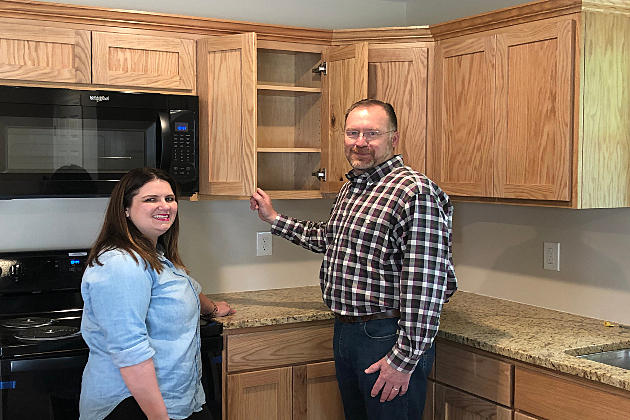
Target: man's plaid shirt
{"points": [[387, 244]]}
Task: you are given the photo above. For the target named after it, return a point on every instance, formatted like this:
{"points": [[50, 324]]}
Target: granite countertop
{"points": [[539, 336]]}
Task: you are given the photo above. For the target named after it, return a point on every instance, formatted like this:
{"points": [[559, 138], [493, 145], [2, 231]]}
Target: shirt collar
{"points": [[371, 175]]}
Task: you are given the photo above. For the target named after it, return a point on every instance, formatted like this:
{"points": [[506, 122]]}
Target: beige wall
{"points": [[498, 252], [219, 245]]}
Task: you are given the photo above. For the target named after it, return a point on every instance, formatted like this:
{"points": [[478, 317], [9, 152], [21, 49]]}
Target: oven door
{"points": [[72, 150], [41, 388]]}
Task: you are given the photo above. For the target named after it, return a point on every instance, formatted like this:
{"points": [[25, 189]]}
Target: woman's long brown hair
{"points": [[119, 232]]}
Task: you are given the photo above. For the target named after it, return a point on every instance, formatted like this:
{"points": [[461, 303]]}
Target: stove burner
{"points": [[26, 322], [47, 333]]}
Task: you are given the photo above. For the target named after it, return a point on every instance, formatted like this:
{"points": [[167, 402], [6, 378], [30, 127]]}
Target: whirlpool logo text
{"points": [[100, 98]]}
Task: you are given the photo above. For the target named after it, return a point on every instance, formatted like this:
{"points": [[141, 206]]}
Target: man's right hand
{"points": [[260, 201]]}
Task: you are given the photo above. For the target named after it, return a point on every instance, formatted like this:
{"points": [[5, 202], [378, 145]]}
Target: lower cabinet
{"points": [[452, 404], [281, 373], [472, 384], [306, 392], [554, 396]]}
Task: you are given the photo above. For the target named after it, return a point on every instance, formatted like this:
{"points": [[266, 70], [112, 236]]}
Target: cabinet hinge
{"points": [[320, 174], [321, 68]]}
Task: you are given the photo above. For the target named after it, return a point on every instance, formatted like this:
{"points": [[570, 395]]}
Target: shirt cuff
{"points": [[401, 363], [278, 223], [134, 355]]}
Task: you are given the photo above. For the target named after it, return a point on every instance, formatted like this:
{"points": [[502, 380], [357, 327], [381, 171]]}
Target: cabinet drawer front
{"points": [[452, 404], [279, 347], [480, 375], [553, 397]]}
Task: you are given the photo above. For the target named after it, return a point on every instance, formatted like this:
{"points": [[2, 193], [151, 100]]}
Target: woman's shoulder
{"points": [[116, 263], [116, 260]]}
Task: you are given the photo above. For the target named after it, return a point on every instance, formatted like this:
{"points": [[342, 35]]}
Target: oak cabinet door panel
{"points": [[143, 61], [460, 158], [534, 111], [44, 54], [227, 115]]}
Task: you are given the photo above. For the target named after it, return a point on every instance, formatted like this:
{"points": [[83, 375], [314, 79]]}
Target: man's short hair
{"points": [[364, 103]]}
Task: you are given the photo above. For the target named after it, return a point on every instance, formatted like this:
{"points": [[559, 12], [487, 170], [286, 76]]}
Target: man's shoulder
{"points": [[415, 183], [410, 178]]}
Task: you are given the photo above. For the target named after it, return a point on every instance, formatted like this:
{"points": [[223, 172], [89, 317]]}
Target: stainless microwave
{"points": [[79, 143]]}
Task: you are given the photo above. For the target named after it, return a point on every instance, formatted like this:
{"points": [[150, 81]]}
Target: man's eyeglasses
{"points": [[368, 135]]}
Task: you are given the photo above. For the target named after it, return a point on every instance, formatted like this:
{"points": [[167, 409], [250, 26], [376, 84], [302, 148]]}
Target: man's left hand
{"points": [[390, 381]]}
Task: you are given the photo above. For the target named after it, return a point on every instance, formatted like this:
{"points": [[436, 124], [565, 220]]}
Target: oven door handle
{"points": [[57, 363]]}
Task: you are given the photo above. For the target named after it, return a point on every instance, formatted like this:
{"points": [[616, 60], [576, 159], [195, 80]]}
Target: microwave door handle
{"points": [[165, 139]]}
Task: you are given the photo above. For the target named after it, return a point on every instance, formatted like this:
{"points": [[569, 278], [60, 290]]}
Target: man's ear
{"points": [[395, 138]]}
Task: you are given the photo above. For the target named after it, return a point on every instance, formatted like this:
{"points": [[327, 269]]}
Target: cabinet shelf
{"points": [[294, 194], [268, 89], [289, 150]]}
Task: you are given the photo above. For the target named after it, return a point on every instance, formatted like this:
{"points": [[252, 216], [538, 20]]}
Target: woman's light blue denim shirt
{"points": [[130, 314]]}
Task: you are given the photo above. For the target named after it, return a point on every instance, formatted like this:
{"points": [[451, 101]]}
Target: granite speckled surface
{"points": [[539, 336]]}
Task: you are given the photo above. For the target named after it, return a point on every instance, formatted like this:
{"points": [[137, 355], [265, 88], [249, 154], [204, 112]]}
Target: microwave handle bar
{"points": [[165, 137]]}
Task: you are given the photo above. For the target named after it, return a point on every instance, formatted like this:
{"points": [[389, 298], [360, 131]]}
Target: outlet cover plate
{"points": [[551, 256], [263, 244]]}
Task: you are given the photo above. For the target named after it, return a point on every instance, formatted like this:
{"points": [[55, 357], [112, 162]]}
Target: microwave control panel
{"points": [[185, 150]]}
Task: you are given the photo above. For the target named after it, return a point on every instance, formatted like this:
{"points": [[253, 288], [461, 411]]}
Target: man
{"points": [[387, 268]]}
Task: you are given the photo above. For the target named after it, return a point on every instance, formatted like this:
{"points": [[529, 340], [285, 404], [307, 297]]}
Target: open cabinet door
{"points": [[227, 114], [345, 83]]}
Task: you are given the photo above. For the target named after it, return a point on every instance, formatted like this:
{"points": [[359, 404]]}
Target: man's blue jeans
{"points": [[358, 345]]}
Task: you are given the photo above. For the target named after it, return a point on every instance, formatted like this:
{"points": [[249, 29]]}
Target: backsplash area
{"points": [[497, 248], [498, 251]]}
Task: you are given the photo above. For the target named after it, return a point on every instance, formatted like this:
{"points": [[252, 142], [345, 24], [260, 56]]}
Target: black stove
{"points": [[40, 334], [42, 353], [40, 302]]}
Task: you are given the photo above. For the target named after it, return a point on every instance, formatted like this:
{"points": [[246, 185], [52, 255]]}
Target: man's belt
{"points": [[390, 313]]}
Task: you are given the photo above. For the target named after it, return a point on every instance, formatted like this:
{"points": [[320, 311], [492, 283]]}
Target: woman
{"points": [[141, 310]]}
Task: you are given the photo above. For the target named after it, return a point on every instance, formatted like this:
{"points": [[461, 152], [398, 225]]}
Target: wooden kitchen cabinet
{"points": [[260, 107], [43, 55], [145, 61], [397, 73], [552, 396], [460, 157], [283, 372], [475, 373], [453, 404], [316, 393], [474, 384], [39, 53], [469, 384], [260, 394], [504, 112]]}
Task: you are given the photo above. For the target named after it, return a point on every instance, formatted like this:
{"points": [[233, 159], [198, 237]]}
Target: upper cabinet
{"points": [[525, 105], [35, 54], [398, 74], [395, 73], [159, 62], [227, 115], [260, 113], [345, 83], [46, 54], [504, 113]]}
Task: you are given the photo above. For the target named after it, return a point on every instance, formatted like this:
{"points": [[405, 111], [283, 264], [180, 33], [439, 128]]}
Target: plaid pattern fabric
{"points": [[387, 244]]}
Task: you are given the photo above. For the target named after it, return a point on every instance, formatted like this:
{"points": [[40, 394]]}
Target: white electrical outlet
{"points": [[263, 244], [551, 256]]}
